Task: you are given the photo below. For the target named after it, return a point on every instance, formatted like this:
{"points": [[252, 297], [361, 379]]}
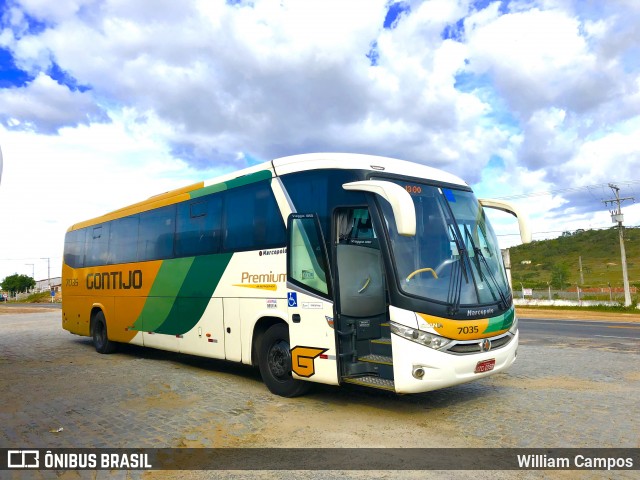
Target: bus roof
{"points": [[284, 166], [356, 161]]}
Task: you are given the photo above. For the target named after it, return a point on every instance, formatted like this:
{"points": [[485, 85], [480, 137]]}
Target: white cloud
{"points": [[272, 80], [51, 182], [53, 12], [536, 58], [44, 105], [612, 157], [550, 88]]}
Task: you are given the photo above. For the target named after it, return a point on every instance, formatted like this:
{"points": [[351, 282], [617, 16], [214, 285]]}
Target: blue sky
{"points": [[106, 102]]}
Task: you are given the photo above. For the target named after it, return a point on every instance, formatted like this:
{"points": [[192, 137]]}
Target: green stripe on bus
{"points": [[165, 288], [218, 187], [501, 322], [195, 293], [236, 182], [248, 179]]}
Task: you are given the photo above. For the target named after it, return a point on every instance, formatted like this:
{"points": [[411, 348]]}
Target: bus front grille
{"points": [[475, 346]]}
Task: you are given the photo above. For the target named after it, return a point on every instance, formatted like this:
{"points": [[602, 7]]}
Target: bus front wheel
{"points": [[275, 363], [99, 333]]}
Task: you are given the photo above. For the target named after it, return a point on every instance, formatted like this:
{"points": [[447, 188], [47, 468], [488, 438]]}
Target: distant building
{"points": [[47, 283]]}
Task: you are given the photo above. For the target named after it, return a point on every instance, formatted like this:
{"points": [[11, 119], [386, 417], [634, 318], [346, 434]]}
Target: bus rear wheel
{"points": [[99, 333], [275, 363]]}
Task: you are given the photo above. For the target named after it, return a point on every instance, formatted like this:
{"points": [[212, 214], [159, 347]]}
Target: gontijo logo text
{"points": [[115, 280]]}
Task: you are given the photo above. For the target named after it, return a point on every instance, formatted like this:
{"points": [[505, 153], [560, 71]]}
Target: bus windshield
{"points": [[454, 257]]}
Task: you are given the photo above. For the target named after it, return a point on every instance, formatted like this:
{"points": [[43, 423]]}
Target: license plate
{"points": [[485, 365]]}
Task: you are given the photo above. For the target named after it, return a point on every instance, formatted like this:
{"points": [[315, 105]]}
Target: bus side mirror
{"points": [[525, 231], [400, 200]]}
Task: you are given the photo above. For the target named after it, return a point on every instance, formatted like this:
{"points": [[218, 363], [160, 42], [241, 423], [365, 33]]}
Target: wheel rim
{"points": [[279, 360]]}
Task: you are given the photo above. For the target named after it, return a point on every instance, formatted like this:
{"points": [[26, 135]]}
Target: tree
{"points": [[559, 276], [17, 283]]}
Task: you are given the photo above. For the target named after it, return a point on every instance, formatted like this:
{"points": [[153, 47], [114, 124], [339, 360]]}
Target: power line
{"points": [[27, 258], [564, 190]]}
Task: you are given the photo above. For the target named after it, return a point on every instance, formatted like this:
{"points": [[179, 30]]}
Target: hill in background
{"points": [[557, 261]]}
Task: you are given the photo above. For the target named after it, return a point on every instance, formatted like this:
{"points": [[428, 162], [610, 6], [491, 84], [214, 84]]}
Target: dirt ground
{"points": [[577, 315], [4, 310], [165, 400]]}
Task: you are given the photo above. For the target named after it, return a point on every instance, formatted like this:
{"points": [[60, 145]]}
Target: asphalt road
{"points": [[553, 328]]}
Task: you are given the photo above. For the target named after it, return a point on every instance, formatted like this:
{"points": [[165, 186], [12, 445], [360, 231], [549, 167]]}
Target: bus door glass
{"points": [[310, 301], [360, 280]]}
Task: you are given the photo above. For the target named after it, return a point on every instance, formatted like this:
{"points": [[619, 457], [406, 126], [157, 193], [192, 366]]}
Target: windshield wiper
{"points": [[460, 271], [482, 260]]}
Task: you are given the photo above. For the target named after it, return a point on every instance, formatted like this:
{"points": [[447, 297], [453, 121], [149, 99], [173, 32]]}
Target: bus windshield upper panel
{"points": [[454, 257]]}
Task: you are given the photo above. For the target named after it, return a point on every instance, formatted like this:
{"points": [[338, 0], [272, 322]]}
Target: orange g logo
{"points": [[302, 360]]}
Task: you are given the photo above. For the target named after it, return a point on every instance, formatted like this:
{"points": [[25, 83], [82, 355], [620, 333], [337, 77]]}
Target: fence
{"points": [[572, 296]]}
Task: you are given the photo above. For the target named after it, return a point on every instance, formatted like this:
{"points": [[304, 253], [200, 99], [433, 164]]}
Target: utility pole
{"points": [[581, 275], [616, 216], [48, 259]]}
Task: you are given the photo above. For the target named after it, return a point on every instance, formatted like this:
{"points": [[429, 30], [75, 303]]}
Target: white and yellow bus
{"points": [[326, 268]]}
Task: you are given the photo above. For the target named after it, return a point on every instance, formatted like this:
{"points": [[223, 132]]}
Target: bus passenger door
{"points": [[310, 302], [362, 319]]}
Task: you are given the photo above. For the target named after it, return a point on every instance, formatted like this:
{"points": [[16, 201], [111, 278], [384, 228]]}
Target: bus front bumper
{"points": [[443, 369]]}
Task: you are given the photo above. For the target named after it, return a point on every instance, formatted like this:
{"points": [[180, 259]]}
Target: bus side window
{"points": [[252, 219], [307, 263], [97, 245], [156, 232], [123, 240], [198, 227], [74, 248]]}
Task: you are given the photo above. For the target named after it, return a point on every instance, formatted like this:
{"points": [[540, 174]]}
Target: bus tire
{"points": [[99, 333], [275, 363]]}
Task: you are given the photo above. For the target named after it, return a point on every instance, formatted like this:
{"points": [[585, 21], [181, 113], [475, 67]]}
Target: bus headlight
{"points": [[514, 325], [427, 339]]}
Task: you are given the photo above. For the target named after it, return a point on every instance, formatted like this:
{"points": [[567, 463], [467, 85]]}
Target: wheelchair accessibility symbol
{"points": [[292, 299]]}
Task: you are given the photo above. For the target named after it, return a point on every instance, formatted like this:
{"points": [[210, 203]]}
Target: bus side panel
{"points": [[126, 312], [312, 339], [90, 287], [75, 314], [155, 312], [252, 287], [232, 338], [251, 311], [207, 337]]}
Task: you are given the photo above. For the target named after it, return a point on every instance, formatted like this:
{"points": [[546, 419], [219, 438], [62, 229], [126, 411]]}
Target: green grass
{"points": [[600, 252], [37, 298]]}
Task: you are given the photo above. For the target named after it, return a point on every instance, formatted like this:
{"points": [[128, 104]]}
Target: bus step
{"points": [[380, 346], [371, 381], [373, 358]]}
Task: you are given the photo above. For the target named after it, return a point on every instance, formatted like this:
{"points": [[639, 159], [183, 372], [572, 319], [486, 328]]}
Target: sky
{"points": [[107, 102]]}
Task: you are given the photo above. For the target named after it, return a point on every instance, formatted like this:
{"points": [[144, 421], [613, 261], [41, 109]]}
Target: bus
{"points": [[329, 268]]}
